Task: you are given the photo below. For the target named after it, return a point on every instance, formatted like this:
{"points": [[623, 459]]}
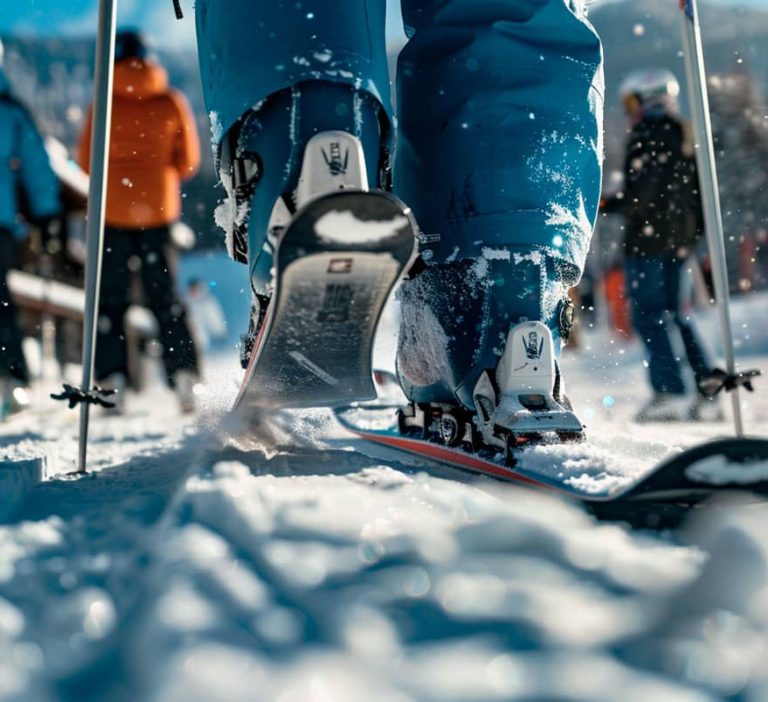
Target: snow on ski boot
{"points": [[523, 401]]}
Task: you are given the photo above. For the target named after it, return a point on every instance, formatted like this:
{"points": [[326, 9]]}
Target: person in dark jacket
{"points": [[25, 174], [664, 223], [153, 147]]}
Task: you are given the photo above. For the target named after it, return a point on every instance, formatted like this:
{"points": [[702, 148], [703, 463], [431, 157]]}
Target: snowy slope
{"points": [[191, 567]]}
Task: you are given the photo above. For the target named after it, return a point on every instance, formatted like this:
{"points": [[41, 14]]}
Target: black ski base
{"points": [[335, 264]]}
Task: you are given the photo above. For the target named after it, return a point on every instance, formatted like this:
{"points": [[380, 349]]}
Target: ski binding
{"points": [[521, 403]]}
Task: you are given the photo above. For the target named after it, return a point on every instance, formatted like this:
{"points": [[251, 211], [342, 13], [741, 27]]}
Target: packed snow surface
{"points": [[196, 564]]}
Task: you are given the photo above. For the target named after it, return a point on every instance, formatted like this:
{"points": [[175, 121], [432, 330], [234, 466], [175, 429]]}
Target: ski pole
{"points": [[102, 121], [708, 186]]}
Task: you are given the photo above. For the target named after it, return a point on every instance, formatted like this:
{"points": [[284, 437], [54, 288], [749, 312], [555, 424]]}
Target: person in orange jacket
{"points": [[154, 146]]}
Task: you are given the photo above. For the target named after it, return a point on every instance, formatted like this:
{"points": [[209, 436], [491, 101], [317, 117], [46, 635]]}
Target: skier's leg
{"points": [[499, 156], [159, 283], [251, 50], [111, 350], [694, 348], [275, 74], [651, 320], [12, 361]]}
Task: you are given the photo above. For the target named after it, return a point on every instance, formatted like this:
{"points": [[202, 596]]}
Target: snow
{"points": [[342, 227], [717, 471], [217, 129], [188, 566], [491, 254], [423, 341]]}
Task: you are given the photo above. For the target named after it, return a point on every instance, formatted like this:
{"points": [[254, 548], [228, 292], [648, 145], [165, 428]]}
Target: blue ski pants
{"points": [[653, 285], [498, 145]]}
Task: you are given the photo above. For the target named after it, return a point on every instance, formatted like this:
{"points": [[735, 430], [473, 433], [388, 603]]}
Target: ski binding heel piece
{"points": [[518, 405], [333, 160]]}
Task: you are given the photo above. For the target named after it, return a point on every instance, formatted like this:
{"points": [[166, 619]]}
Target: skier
{"points": [[664, 222], [25, 174], [154, 145], [499, 150]]}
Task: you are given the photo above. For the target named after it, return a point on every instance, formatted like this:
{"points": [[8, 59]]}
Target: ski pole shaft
{"points": [[708, 185], [102, 119]]}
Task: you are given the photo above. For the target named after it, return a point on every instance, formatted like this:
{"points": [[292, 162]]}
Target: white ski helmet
{"points": [[650, 85]]}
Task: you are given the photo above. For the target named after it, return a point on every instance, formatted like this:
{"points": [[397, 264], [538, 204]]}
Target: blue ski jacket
{"points": [[24, 165]]}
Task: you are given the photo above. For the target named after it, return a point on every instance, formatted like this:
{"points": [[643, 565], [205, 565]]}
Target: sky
{"points": [[78, 17]]}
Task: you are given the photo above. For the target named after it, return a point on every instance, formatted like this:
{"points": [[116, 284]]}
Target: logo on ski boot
{"points": [[335, 162], [533, 346], [340, 265]]}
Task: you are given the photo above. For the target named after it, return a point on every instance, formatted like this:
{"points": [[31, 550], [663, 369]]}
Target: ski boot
{"points": [[519, 403], [665, 407], [706, 409], [524, 400]]}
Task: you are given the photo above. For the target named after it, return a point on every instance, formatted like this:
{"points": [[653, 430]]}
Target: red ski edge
{"points": [[454, 458], [255, 353]]}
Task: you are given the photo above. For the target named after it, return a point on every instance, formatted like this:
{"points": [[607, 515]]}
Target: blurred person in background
{"points": [[154, 146], [29, 190], [663, 224], [205, 315], [740, 134]]}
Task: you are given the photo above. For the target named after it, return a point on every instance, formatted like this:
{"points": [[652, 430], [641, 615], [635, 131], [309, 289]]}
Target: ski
{"points": [[686, 478], [335, 265]]}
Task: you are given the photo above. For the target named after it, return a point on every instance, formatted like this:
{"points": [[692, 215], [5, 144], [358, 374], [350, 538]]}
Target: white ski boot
{"points": [[523, 401]]}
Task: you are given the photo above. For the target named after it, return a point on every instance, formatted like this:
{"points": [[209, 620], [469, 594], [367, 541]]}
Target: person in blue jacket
{"points": [[499, 149], [25, 172]]}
